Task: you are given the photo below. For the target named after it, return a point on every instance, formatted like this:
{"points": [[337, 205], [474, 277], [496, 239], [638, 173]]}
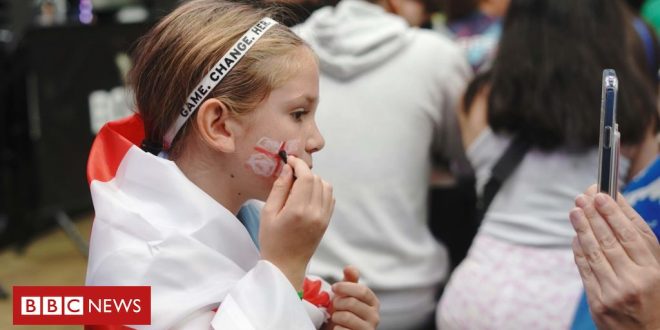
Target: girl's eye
{"points": [[297, 115]]}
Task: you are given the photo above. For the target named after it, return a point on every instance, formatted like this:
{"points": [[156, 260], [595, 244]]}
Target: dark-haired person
{"points": [[544, 87]]}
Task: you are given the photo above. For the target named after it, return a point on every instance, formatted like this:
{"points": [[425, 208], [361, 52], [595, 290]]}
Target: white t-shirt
{"points": [[532, 206]]}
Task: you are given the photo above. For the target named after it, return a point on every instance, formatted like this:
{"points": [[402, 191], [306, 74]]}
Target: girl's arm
{"points": [[475, 119]]}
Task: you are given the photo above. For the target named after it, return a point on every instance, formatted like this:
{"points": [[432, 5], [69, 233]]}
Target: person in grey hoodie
{"points": [[388, 92]]}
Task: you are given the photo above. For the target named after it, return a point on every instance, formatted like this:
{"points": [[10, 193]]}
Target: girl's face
{"points": [[284, 120]]}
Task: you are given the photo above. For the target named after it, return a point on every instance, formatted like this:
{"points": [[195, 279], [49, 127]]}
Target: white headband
{"points": [[216, 74]]}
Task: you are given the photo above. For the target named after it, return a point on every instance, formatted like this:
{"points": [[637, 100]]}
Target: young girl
{"points": [[224, 93]]}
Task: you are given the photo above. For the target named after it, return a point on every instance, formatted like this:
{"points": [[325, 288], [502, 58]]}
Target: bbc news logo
{"points": [[52, 305], [76, 305], [98, 305]]}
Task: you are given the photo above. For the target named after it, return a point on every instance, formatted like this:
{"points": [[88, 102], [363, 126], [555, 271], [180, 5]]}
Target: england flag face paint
{"points": [[265, 161]]}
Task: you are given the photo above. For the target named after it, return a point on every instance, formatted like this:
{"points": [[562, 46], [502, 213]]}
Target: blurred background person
{"points": [[543, 89], [646, 48], [388, 93], [51, 12], [651, 12], [476, 25]]}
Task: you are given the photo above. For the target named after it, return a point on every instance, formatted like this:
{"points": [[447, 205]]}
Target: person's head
{"points": [[268, 97], [495, 8], [546, 77], [460, 9], [415, 12]]}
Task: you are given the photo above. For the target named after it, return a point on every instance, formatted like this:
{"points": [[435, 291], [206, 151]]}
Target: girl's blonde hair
{"points": [[172, 58]]}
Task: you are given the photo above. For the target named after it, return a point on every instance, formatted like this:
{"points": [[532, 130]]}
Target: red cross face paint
{"points": [[266, 161]]}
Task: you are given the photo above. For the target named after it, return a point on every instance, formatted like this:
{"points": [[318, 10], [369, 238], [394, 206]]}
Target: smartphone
{"points": [[608, 145]]}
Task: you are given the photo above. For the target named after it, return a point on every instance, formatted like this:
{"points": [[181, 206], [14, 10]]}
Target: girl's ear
{"points": [[216, 126]]}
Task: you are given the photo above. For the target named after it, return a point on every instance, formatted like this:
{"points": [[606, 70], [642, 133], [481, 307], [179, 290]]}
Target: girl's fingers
{"points": [[280, 191], [358, 291], [351, 274], [356, 307], [328, 199], [316, 201], [349, 320], [302, 189]]}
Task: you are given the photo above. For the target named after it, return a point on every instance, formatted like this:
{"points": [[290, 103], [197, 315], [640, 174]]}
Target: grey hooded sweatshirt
{"points": [[388, 94]]}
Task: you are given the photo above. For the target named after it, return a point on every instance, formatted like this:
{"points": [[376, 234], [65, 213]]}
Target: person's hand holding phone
{"points": [[618, 257]]}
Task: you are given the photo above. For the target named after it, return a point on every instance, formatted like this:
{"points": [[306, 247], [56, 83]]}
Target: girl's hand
{"points": [[355, 306], [294, 219]]}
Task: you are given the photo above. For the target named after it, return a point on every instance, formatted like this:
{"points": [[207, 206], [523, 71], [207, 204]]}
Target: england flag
{"points": [[155, 227]]}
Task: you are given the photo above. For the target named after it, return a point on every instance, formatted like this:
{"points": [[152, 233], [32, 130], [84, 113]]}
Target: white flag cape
{"points": [[154, 227]]}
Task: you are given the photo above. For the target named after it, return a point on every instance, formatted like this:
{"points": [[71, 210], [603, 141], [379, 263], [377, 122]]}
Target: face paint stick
{"points": [[282, 155]]}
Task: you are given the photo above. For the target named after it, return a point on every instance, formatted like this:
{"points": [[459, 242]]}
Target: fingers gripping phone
{"points": [[608, 146]]}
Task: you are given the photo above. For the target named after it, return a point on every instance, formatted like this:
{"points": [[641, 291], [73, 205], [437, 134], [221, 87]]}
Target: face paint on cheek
{"points": [[266, 161]]}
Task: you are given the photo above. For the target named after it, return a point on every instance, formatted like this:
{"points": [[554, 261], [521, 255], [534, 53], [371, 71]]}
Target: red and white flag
{"points": [[154, 227]]}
